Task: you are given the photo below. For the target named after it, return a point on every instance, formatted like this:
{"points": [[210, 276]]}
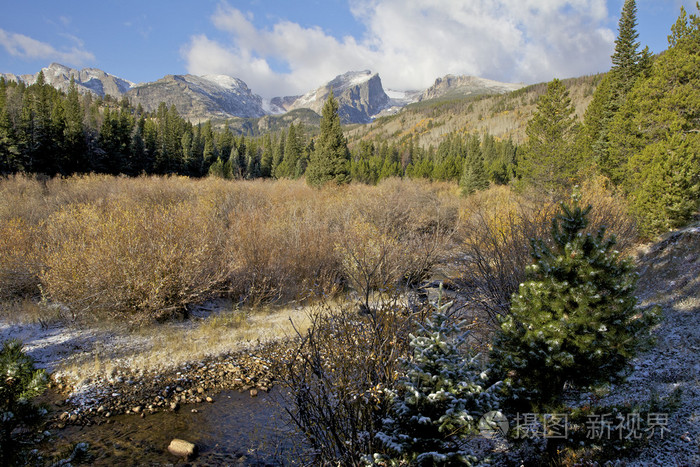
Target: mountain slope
{"points": [[360, 97], [87, 80], [502, 115], [463, 86], [199, 98]]}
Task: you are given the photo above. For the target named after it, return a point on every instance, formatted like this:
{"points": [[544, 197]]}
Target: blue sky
{"points": [[285, 47]]}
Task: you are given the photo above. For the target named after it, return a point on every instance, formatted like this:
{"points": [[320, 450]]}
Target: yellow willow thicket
{"points": [[281, 235], [19, 258], [133, 260], [145, 248], [496, 226]]}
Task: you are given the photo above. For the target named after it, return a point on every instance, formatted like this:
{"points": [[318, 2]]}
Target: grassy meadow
{"points": [[146, 249]]}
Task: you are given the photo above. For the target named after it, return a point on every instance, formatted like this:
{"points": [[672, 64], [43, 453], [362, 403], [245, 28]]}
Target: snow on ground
{"points": [[669, 277], [55, 345], [81, 354]]}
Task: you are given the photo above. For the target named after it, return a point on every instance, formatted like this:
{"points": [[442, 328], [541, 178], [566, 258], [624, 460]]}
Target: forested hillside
{"points": [[637, 125], [504, 116]]}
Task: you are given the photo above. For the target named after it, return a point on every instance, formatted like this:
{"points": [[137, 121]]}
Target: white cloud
{"points": [[412, 42], [19, 45]]}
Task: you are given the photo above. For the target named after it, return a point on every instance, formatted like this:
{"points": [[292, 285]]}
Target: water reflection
{"points": [[234, 430]]}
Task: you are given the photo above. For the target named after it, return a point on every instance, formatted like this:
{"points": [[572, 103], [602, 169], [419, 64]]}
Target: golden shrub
{"points": [[19, 261], [131, 259], [496, 226], [145, 247], [280, 240]]}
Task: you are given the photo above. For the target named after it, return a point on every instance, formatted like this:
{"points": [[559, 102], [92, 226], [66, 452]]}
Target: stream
{"points": [[236, 429]]}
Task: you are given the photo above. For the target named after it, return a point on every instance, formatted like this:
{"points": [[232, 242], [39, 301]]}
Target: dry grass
{"points": [[128, 258], [173, 345], [139, 249], [19, 258]]}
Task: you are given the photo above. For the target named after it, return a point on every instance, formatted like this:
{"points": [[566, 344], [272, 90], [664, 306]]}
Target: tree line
{"points": [[641, 131], [44, 130]]}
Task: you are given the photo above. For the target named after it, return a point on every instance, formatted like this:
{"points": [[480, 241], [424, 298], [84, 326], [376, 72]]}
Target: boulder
{"points": [[182, 448]]}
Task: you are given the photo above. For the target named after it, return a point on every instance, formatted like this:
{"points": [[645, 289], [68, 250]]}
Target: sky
{"points": [[288, 47]]}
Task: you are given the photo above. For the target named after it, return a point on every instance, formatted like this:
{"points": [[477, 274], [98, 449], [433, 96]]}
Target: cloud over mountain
{"points": [[19, 45], [409, 42]]}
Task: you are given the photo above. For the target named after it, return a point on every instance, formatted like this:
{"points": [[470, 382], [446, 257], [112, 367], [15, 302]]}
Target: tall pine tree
{"points": [[474, 176], [549, 159], [628, 63], [659, 128], [330, 161]]}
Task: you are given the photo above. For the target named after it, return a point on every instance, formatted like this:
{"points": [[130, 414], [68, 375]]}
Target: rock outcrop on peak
{"points": [[360, 96], [87, 80], [461, 86]]}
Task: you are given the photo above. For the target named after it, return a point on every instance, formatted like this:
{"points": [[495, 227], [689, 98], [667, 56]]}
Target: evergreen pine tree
{"points": [[574, 320], [659, 130], [217, 169], [252, 160], [210, 151], [548, 159], [139, 162], [266, 160], [627, 57], [436, 406], [278, 156], [291, 154], [150, 144], [391, 165], [74, 147], [42, 148], [628, 63], [233, 164], [9, 149], [330, 161], [474, 177]]}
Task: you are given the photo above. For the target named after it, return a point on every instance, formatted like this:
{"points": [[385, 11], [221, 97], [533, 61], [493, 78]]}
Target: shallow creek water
{"points": [[236, 429]]}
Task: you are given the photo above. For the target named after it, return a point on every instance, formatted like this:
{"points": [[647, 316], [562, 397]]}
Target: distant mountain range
{"points": [[361, 96]]}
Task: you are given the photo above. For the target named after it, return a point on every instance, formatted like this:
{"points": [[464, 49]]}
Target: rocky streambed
{"points": [[234, 429], [142, 393], [226, 405]]}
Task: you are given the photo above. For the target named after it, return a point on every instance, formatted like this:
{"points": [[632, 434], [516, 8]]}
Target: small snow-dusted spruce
{"points": [[436, 406], [574, 321]]}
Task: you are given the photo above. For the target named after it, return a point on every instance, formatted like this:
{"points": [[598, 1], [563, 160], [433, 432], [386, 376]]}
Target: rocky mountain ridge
{"points": [[360, 94], [87, 80], [462, 86], [200, 98]]}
